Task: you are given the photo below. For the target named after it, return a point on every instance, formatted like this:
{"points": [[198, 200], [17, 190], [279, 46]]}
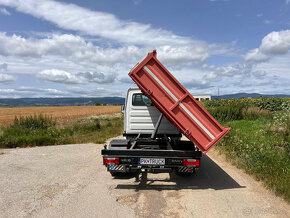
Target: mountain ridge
{"points": [[79, 101]]}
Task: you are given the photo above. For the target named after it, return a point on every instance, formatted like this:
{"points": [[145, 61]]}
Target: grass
{"points": [[258, 142], [261, 151], [40, 130]]}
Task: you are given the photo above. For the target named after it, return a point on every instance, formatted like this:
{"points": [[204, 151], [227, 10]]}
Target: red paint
{"points": [[114, 160], [191, 162], [171, 109]]}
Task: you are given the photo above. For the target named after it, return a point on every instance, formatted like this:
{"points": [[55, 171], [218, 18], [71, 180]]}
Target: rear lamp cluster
{"points": [[111, 160], [191, 162]]}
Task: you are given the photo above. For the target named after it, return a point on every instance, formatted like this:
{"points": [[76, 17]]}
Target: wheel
{"points": [[116, 174]]}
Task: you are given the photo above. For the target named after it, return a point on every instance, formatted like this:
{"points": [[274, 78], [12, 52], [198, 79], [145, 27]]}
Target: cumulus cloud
{"points": [[275, 43], [78, 50], [59, 76], [4, 11], [256, 55], [64, 77], [238, 70], [97, 77]]}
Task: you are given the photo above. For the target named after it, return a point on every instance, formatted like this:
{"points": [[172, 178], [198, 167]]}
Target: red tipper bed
{"points": [[177, 104]]}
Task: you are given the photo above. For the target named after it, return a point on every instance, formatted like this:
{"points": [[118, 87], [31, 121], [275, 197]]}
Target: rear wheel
{"points": [[116, 174]]}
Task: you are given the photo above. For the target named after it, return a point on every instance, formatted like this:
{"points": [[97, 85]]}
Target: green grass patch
{"points": [[42, 130], [259, 138], [261, 148]]}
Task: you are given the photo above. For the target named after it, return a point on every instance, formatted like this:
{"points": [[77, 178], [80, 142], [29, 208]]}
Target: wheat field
{"points": [[62, 114]]}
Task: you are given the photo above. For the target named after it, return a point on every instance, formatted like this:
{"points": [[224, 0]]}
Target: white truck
{"points": [[151, 143]]}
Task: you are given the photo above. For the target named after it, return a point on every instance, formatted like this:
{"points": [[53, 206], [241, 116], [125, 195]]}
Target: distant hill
{"points": [[248, 95], [38, 102]]}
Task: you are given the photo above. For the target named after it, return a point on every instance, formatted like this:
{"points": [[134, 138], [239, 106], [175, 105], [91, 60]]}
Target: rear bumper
{"points": [[150, 169]]}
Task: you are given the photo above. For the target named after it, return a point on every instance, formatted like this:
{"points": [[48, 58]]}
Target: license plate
{"points": [[152, 161]]}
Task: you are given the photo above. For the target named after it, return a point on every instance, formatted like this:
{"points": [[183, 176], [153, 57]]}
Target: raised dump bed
{"points": [[177, 104]]}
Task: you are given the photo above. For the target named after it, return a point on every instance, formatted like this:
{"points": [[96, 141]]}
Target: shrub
{"points": [[30, 131], [41, 130], [253, 113], [33, 122], [227, 113]]}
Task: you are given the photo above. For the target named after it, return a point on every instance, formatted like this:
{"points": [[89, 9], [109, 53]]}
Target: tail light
{"points": [[191, 162], [111, 160]]}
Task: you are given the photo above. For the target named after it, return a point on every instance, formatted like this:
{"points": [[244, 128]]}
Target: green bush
{"points": [[227, 113], [33, 122], [253, 113], [42, 130], [30, 131]]}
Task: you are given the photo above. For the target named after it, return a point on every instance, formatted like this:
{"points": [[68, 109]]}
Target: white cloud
{"points": [[105, 25], [234, 71], [97, 77], [59, 76], [259, 15], [275, 43], [287, 1], [95, 92], [256, 55], [28, 92], [278, 66], [5, 78], [64, 77], [4, 11], [78, 50]]}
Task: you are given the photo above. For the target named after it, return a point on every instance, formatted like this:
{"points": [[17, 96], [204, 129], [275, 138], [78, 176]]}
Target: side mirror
{"points": [[123, 109]]}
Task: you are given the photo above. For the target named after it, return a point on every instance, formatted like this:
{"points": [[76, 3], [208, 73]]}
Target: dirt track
{"points": [[70, 181]]}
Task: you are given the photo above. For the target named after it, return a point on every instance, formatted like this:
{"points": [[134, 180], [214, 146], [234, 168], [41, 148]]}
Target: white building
{"points": [[202, 97]]}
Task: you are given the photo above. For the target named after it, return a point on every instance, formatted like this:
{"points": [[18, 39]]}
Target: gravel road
{"points": [[70, 181]]}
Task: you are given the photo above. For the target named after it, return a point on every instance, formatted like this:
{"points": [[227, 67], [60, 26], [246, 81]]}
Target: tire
{"points": [[116, 174]]}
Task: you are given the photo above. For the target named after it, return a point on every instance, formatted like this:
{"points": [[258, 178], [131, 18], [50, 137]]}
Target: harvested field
{"points": [[62, 115]]}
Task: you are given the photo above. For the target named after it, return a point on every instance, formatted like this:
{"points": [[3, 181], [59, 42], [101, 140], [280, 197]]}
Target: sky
{"points": [[86, 48]]}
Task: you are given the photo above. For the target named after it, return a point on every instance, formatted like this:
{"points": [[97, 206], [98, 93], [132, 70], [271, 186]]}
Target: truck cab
{"points": [[141, 116]]}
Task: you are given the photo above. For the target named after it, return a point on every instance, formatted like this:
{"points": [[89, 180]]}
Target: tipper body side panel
{"points": [[177, 104]]}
